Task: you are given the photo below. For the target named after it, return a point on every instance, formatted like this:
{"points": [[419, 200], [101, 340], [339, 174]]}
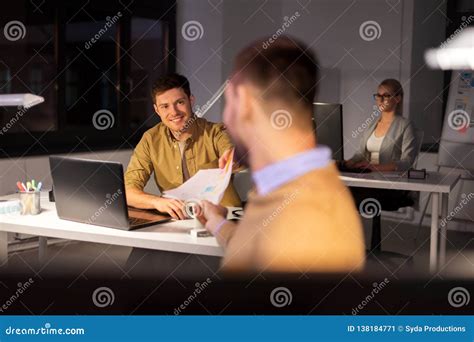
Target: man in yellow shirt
{"points": [[301, 217], [175, 149]]}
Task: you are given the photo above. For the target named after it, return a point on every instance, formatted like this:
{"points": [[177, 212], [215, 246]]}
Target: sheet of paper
{"points": [[207, 185]]}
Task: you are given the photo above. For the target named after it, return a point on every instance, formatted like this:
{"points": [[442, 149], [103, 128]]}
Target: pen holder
{"points": [[30, 202]]}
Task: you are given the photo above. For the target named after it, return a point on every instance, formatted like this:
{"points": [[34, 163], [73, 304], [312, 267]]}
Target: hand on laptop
{"points": [[361, 165], [174, 207], [210, 214], [348, 164]]}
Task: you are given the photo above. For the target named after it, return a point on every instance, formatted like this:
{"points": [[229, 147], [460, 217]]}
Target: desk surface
{"points": [[174, 235], [170, 236], [434, 182]]}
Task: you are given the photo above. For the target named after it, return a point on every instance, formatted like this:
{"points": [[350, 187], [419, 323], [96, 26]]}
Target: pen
{"points": [[24, 187], [28, 186], [20, 186], [38, 188], [33, 184]]}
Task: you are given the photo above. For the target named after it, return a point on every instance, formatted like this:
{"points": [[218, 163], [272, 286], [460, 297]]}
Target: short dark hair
{"points": [[170, 81], [284, 68]]}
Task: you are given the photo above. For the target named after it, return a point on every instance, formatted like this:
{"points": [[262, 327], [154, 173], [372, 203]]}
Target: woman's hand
{"points": [[348, 163], [382, 167], [361, 165]]}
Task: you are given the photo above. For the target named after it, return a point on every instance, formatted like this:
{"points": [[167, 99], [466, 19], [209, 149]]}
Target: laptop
{"points": [[93, 192]]}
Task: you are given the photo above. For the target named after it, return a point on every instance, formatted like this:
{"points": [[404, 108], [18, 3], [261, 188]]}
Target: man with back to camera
{"points": [[301, 218], [175, 149]]}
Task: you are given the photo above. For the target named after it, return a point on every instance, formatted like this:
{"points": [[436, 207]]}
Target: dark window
{"points": [[93, 62]]}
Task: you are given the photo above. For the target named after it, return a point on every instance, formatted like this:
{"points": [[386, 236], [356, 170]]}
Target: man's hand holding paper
{"points": [[205, 184]]}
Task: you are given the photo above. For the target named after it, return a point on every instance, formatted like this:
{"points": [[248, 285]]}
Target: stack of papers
{"points": [[207, 185], [10, 206]]}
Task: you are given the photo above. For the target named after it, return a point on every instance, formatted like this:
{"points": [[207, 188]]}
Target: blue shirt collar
{"points": [[277, 174]]}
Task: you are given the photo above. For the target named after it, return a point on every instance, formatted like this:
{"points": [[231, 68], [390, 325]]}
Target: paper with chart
{"points": [[207, 185]]}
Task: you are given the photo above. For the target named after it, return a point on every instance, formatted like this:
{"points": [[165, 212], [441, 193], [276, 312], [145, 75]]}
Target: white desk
{"points": [[174, 236], [171, 236], [436, 183]]}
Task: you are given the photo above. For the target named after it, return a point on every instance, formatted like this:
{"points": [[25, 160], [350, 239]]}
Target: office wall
{"points": [[350, 67], [200, 59], [332, 30]]}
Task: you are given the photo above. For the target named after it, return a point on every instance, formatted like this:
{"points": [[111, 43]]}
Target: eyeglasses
{"points": [[382, 97]]}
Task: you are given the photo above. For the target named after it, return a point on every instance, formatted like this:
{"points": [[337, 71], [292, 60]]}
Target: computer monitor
{"points": [[327, 121]]}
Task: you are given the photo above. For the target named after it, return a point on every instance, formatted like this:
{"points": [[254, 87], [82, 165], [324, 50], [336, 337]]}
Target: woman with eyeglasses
{"points": [[389, 144]]}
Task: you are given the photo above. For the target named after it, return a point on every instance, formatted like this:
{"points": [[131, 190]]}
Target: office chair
{"points": [[376, 238]]}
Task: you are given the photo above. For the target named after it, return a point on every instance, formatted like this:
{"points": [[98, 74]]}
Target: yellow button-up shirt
{"points": [[158, 152]]}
